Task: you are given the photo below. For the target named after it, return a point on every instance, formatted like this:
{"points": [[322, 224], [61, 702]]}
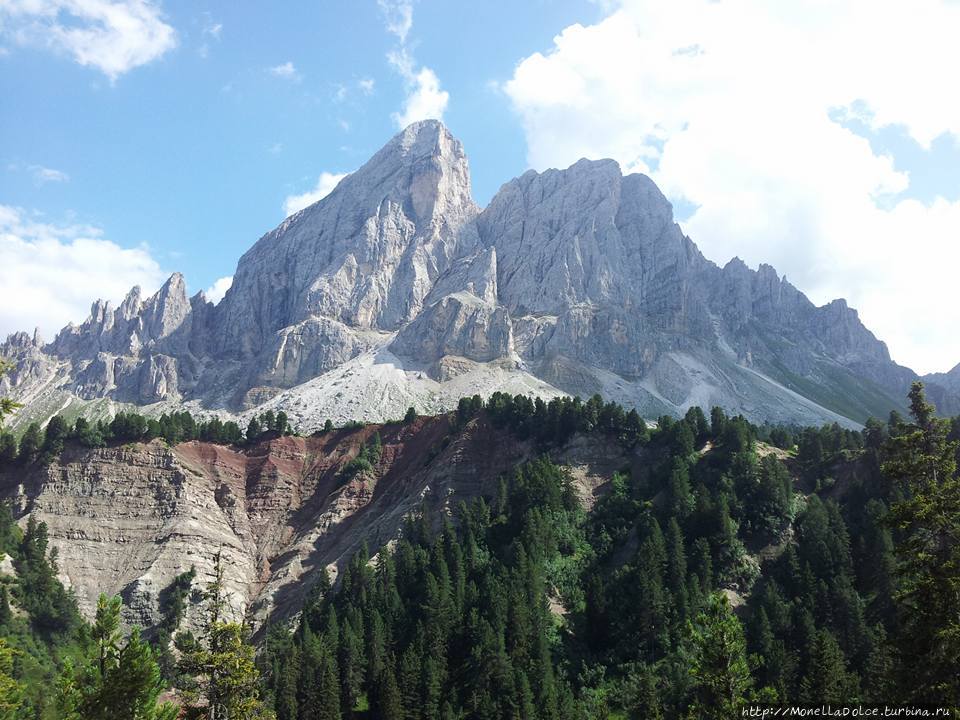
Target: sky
{"points": [[140, 137]]}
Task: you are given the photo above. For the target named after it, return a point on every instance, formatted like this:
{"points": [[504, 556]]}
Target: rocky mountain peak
{"points": [[166, 310], [571, 281], [423, 167]]}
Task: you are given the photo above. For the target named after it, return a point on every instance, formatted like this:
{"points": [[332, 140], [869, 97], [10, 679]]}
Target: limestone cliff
{"points": [[395, 289]]}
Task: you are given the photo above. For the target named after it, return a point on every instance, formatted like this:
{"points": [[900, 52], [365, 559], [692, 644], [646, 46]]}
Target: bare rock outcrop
{"points": [[128, 519], [575, 280]]}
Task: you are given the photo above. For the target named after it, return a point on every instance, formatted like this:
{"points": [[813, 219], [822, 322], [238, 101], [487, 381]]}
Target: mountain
{"points": [[397, 290], [944, 390]]}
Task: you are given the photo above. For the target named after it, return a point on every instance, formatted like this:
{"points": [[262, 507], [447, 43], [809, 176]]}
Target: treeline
{"points": [[43, 445], [555, 421], [451, 624], [528, 607], [714, 571]]}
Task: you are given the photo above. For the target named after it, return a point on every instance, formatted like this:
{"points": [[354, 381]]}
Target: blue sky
{"points": [[194, 153], [169, 136]]}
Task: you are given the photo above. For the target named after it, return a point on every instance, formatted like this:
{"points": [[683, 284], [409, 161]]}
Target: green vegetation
{"points": [[218, 676], [712, 572], [43, 445], [367, 456]]}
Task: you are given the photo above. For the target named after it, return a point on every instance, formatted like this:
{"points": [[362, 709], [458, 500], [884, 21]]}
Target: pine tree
{"points": [[827, 679], [5, 613], [8, 449], [268, 421], [641, 694], [116, 680], [31, 443], [677, 569], [388, 705], [56, 433], [924, 462], [224, 663], [254, 430], [680, 499], [718, 661]]}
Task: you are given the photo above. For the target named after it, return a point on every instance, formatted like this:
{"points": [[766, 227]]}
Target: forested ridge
{"points": [[730, 564]]}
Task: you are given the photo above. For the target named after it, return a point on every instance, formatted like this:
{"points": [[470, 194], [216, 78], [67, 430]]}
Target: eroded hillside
{"points": [[128, 519]]}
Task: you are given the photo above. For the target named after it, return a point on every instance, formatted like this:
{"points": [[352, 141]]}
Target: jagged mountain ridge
{"points": [[396, 289]]}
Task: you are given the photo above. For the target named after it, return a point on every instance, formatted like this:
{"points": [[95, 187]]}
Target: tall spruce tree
{"points": [[718, 662], [116, 679], [223, 662], [921, 459]]}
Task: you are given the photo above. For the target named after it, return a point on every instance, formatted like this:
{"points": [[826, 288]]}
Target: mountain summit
{"points": [[397, 290]]}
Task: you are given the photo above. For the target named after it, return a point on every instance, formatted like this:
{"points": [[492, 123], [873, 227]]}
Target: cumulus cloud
{"points": [[735, 108], [215, 292], [50, 274], [325, 185], [114, 36], [424, 99]]}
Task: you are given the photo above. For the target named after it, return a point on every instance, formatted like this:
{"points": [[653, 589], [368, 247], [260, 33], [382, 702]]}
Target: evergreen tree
{"points": [[56, 434], [31, 443], [680, 499], [641, 694], [718, 661], [253, 430], [8, 449], [827, 679], [923, 461], [388, 705], [410, 415], [5, 613], [224, 664], [116, 680]]}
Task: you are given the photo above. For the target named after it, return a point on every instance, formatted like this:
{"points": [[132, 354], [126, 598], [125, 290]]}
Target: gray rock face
{"points": [[944, 390], [366, 255], [579, 278]]}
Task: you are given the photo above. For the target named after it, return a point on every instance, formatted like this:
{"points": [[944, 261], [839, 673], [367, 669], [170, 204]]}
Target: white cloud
{"points": [[114, 36], [286, 71], [424, 100], [43, 175], [366, 85], [215, 292], [325, 185], [728, 106], [398, 16], [50, 274]]}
